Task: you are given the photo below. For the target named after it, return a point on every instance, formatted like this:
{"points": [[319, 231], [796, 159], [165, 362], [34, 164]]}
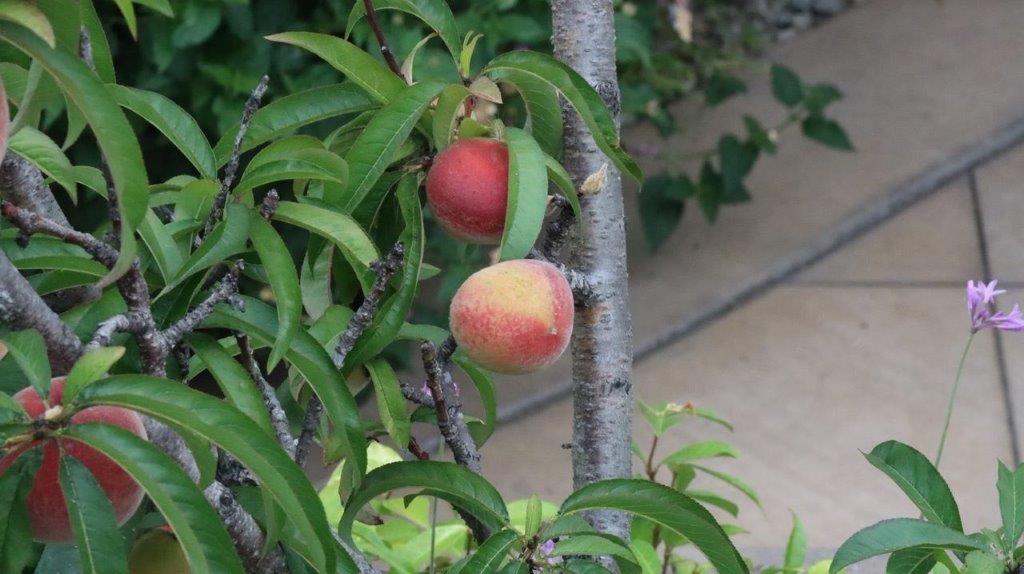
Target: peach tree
{"points": [[177, 365]]}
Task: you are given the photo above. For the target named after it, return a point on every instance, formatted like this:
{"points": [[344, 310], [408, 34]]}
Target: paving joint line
{"points": [[1000, 353], [856, 224]]}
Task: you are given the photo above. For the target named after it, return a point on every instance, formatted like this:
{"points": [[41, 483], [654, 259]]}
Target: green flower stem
{"points": [[952, 398]]}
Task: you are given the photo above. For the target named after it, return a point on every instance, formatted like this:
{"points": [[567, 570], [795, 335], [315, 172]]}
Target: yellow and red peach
{"points": [[5, 121], [513, 317], [467, 188], [46, 509], [158, 552]]}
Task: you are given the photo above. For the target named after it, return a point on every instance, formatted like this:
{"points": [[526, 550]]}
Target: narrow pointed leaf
{"points": [[44, 153], [232, 379], [88, 369], [580, 95], [1010, 485], [890, 536], [458, 485], [225, 426], [284, 281], [363, 69], [100, 544], [492, 553], [527, 195], [434, 13], [227, 239], [911, 561], [173, 122], [112, 130], [673, 510], [309, 357], [204, 541], [544, 119], [16, 482], [560, 177], [390, 401], [449, 104], [375, 147], [29, 351]]}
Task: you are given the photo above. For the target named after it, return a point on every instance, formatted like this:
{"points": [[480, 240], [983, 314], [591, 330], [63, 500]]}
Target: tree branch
{"points": [[385, 49], [559, 227], [228, 178], [277, 415], [583, 36], [357, 325], [225, 290]]}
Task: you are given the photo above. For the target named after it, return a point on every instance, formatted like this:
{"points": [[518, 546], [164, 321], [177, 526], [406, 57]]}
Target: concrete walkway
{"points": [[862, 346]]}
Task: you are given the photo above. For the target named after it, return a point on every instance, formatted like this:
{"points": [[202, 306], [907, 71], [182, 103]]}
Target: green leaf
{"points": [[101, 56], [259, 321], [674, 511], [390, 401], [204, 541], [662, 207], [27, 15], [544, 111], [449, 104], [580, 94], [699, 450], [819, 96], [786, 85], [896, 534], [227, 239], [593, 544], [918, 478], [733, 482], [527, 195], [534, 515], [796, 546], [375, 147], [29, 351], [302, 164], [88, 369], [284, 281], [234, 381], [979, 562], [112, 130], [340, 229], [434, 13], [736, 161], [16, 549], [287, 114], [393, 311], [647, 556], [492, 553], [225, 426], [10, 409], [45, 154], [826, 132], [709, 498], [173, 122], [458, 485], [561, 178], [100, 545], [1010, 485], [363, 69], [911, 561], [484, 383], [721, 86], [128, 11]]}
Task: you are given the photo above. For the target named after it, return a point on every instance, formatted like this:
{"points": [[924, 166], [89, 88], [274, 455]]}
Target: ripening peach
{"points": [[5, 121], [158, 552], [467, 188], [514, 317], [46, 509]]}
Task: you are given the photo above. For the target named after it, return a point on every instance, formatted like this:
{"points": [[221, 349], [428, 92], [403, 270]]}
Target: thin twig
{"points": [[357, 325], [417, 396], [225, 290], [385, 49], [278, 418], [228, 178]]}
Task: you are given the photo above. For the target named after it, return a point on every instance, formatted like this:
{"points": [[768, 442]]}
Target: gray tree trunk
{"points": [[602, 348]]}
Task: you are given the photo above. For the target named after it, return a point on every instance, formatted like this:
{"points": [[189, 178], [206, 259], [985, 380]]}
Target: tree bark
{"points": [[602, 348]]}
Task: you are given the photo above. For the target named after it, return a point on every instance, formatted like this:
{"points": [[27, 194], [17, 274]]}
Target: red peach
{"points": [[514, 317], [49, 516], [467, 188]]}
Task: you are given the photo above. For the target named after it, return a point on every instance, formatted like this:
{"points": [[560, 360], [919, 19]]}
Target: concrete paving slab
{"points": [[810, 376], [921, 79], [1001, 194], [933, 242]]}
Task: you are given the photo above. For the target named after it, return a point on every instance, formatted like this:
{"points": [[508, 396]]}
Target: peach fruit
{"points": [[157, 552], [467, 188], [513, 317], [46, 509]]}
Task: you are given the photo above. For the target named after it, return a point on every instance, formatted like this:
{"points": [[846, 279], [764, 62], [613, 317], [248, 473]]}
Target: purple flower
{"points": [[980, 297], [545, 552]]}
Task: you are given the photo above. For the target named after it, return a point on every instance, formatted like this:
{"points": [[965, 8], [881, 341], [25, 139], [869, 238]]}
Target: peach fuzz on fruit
{"points": [[46, 509], [467, 189], [513, 317]]}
